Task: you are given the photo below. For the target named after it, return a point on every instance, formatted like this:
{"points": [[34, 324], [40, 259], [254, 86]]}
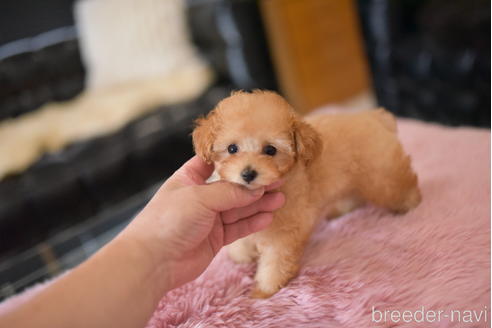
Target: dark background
{"points": [[25, 18]]}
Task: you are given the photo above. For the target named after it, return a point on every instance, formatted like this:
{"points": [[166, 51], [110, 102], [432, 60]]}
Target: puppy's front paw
{"points": [[240, 257], [261, 294], [240, 253]]}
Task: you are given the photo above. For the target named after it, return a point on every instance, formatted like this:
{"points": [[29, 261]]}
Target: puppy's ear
{"points": [[204, 136], [307, 140]]}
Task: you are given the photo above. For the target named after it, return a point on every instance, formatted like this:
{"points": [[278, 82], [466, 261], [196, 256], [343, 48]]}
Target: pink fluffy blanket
{"points": [[428, 268], [370, 268]]}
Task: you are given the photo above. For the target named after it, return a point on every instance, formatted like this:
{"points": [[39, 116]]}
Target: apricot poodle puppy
{"points": [[331, 164]]}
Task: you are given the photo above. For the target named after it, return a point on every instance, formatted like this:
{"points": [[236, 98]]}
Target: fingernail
{"points": [[257, 192]]}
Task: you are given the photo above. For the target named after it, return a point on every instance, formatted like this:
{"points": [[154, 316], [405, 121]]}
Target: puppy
{"points": [[331, 164]]}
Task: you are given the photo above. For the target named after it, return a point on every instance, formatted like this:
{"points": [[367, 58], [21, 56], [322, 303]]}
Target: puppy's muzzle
{"points": [[248, 174]]}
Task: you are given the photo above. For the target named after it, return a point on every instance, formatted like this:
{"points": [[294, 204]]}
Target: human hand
{"points": [[187, 221], [170, 242]]}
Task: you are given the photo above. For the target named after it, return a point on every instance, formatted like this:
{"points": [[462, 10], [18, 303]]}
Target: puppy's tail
{"points": [[386, 119]]}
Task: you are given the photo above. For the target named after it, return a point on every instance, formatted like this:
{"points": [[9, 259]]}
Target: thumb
{"points": [[222, 196]]}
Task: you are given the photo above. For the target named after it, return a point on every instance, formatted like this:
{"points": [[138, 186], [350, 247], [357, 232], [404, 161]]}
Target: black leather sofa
{"points": [[69, 199]]}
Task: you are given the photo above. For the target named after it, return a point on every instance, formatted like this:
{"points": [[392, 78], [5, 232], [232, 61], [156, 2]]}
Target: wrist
{"points": [[153, 273]]}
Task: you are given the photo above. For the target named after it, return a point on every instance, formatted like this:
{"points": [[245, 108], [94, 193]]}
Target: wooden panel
{"points": [[317, 50]]}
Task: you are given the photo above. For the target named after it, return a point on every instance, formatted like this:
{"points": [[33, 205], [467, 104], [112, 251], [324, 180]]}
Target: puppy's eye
{"points": [[232, 149], [269, 150]]}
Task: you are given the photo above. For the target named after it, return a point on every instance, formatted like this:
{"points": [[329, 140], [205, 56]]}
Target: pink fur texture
{"points": [[436, 257]]}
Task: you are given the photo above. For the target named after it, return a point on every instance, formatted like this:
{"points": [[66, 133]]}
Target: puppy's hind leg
{"points": [[395, 189], [340, 207]]}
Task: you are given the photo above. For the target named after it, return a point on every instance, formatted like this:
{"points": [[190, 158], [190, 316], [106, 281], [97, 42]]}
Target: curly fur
{"points": [[331, 163]]}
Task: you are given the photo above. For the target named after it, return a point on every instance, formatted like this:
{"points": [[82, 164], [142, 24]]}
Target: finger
{"points": [[194, 172], [198, 168], [242, 228], [222, 196], [274, 185], [268, 203]]}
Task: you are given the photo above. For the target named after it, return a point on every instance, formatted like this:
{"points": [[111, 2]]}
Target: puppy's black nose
{"points": [[248, 174]]}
